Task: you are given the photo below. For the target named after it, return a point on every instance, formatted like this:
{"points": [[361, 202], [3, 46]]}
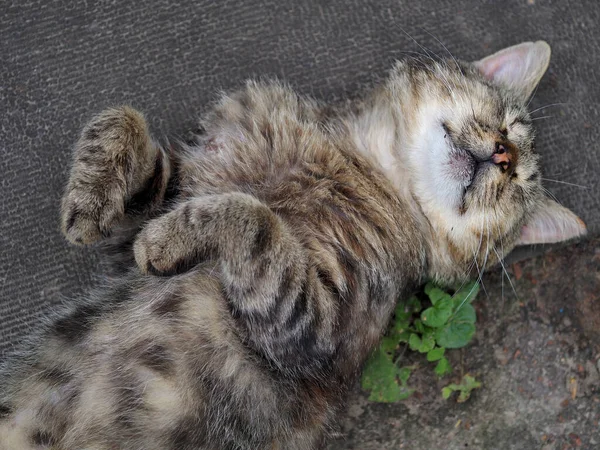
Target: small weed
{"points": [[465, 387], [448, 323]]}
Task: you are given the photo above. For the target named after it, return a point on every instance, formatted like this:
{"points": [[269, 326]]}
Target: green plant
{"points": [[465, 387], [448, 323]]}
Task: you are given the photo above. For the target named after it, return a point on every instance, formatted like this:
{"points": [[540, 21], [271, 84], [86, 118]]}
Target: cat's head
{"points": [[473, 167]]}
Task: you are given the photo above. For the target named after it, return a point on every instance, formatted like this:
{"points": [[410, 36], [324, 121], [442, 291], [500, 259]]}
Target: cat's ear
{"points": [[518, 68], [550, 223]]}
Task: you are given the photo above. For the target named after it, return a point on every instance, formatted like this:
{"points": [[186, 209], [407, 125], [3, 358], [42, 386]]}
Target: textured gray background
{"points": [[62, 61]]}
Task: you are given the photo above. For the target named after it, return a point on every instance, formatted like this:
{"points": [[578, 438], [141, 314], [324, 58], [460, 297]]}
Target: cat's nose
{"points": [[502, 157]]}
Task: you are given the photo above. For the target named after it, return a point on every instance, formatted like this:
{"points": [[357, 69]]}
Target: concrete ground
{"points": [[537, 354]]}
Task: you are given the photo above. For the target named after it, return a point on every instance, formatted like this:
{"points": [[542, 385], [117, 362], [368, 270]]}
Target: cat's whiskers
{"points": [[487, 253], [565, 182], [470, 268], [550, 194], [546, 106], [532, 95], [444, 61], [500, 258], [540, 118], [476, 254], [445, 48], [467, 272], [423, 55], [464, 299], [480, 273], [507, 276], [428, 53], [501, 261], [444, 81]]}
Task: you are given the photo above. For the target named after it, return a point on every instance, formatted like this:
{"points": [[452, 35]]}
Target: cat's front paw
{"points": [[113, 159], [161, 249], [87, 219]]}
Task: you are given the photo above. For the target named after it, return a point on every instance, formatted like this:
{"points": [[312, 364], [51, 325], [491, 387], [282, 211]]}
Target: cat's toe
{"points": [[141, 255], [79, 229], [86, 220], [150, 253], [163, 248], [151, 262]]}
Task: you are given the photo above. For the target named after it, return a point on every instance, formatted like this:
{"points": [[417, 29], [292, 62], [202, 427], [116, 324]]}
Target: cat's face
{"points": [[473, 166]]}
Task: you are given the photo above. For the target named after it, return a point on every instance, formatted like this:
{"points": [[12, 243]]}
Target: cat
{"points": [[264, 259]]}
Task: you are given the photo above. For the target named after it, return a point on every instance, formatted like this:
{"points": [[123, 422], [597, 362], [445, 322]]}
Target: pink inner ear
{"points": [[550, 226], [532, 235], [488, 68], [518, 68], [494, 68]]}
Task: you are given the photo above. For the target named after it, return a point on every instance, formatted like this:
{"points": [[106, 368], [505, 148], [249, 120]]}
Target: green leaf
{"points": [[465, 388], [449, 323], [414, 342], [388, 345], [436, 294], [380, 377], [470, 382], [402, 322], [413, 305], [402, 311], [447, 392], [404, 375], [466, 293], [427, 342], [419, 325], [466, 314], [454, 335], [435, 354], [422, 344], [390, 393], [438, 315], [428, 339], [443, 367], [403, 337], [463, 396], [460, 328], [376, 369]]}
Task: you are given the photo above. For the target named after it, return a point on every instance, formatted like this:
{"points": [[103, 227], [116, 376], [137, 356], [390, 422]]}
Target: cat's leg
{"points": [[268, 283], [119, 175], [249, 240]]}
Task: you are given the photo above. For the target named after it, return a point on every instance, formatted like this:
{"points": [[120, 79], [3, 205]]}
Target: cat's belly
{"points": [[152, 363]]}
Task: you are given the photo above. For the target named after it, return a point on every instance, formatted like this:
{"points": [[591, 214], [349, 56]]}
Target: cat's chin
{"points": [[461, 167], [440, 172]]}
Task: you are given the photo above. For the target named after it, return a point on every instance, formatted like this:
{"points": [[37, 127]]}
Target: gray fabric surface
{"points": [[62, 61]]}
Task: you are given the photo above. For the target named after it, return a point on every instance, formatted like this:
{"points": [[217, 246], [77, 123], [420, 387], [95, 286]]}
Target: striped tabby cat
{"points": [[264, 260]]}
